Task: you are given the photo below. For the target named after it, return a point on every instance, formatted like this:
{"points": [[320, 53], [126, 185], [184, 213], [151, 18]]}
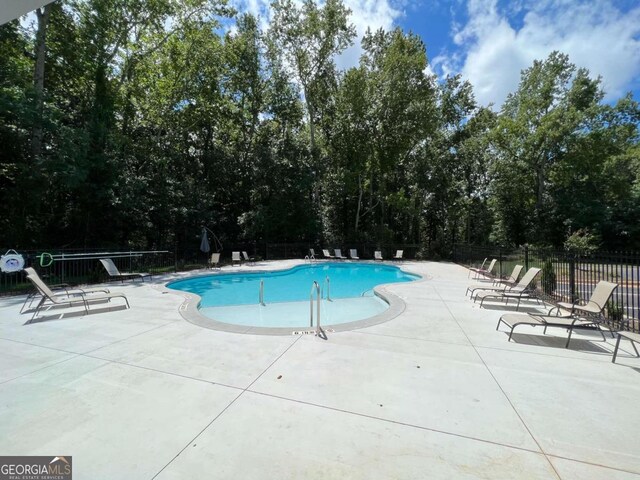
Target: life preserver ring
{"points": [[46, 259], [11, 262]]}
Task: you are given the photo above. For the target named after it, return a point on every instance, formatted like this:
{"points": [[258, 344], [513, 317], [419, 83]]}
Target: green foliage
{"points": [[615, 311], [549, 283], [156, 119], [582, 242]]}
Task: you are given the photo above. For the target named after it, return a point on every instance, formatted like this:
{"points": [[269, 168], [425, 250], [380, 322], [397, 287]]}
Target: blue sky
{"points": [[489, 41]]}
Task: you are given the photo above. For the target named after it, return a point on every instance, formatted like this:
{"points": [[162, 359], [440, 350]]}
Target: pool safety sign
{"points": [[11, 262], [36, 468]]}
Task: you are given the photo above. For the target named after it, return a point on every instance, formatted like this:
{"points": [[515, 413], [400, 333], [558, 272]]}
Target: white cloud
{"points": [[373, 14], [595, 35]]}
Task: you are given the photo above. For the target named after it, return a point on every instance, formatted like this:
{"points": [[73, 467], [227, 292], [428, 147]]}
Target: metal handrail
{"points": [[261, 294], [327, 280], [317, 288]]}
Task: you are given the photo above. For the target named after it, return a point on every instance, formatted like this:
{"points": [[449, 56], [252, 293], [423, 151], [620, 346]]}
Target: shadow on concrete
{"points": [[74, 314]]}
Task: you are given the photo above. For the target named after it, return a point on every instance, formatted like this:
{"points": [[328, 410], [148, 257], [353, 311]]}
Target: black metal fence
{"points": [[75, 267], [569, 277]]}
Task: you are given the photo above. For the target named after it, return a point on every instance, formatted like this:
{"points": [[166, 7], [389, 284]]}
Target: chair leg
{"points": [[511, 332], [615, 350], [633, 344], [569, 337]]}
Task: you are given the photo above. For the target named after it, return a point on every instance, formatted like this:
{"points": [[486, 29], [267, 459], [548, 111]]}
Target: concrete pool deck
{"points": [[436, 392]]}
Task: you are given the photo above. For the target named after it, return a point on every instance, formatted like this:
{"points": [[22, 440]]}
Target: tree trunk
{"points": [[38, 77], [359, 202]]}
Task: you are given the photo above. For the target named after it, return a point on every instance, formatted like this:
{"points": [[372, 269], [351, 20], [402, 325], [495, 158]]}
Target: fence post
{"points": [[526, 257], [572, 277], [500, 260]]}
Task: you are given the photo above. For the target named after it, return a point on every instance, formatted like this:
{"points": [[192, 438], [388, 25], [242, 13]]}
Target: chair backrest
{"points": [[325, 252], [484, 262], [491, 265], [235, 256], [399, 253], [215, 258], [41, 286], [528, 278], [338, 252], [244, 255], [353, 253], [110, 267], [31, 271], [312, 252], [377, 255], [517, 270], [601, 294]]}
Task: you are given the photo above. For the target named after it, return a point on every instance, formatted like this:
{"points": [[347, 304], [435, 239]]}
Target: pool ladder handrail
{"points": [[261, 294], [327, 282], [315, 286]]}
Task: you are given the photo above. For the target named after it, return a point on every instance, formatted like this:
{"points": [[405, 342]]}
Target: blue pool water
{"points": [[348, 280]]}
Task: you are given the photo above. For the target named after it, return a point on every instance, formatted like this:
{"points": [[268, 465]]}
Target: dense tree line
{"points": [[132, 123]]}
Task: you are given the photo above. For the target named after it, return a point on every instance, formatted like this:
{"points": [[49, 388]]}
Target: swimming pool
{"points": [[234, 297]]}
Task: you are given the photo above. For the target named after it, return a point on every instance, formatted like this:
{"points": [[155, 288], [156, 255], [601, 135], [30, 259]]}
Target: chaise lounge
{"points": [[521, 291], [50, 299], [114, 273], [579, 316]]}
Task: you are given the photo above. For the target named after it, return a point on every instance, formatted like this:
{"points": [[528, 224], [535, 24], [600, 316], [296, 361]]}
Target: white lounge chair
{"points": [[475, 269], [578, 316], [62, 290], [488, 273], [398, 255], [521, 291], [632, 337], [235, 257], [499, 284], [353, 253], [326, 253], [113, 271], [247, 258], [214, 262], [50, 299], [377, 255], [339, 254]]}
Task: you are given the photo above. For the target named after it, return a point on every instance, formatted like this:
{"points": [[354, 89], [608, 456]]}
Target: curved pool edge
{"points": [[189, 310]]}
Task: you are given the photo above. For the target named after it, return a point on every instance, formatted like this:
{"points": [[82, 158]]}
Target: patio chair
{"points": [[247, 258], [50, 299], [377, 255], [499, 284], [326, 253], [475, 269], [488, 272], [59, 290], [353, 253], [338, 253], [578, 316], [312, 253], [511, 279], [512, 320], [214, 261], [632, 337], [398, 255], [114, 273], [521, 291], [596, 303], [235, 258]]}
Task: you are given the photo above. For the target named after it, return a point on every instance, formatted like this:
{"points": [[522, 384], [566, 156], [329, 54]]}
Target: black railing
{"points": [[75, 267], [570, 277]]}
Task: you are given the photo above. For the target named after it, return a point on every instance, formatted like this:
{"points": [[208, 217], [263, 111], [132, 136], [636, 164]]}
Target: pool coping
{"points": [[189, 309]]}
